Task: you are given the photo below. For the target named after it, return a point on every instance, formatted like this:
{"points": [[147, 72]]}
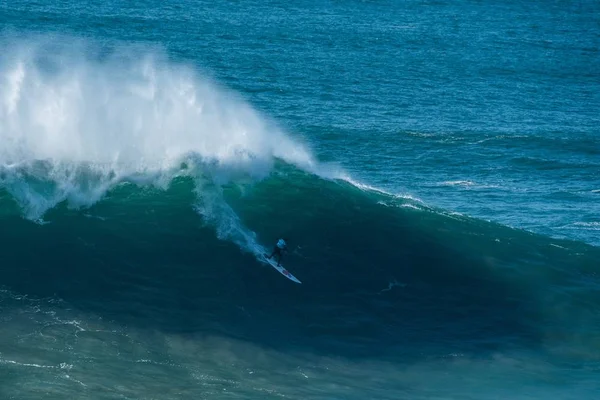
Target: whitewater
{"points": [[114, 119]]}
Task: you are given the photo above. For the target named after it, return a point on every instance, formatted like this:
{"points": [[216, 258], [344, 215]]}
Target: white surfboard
{"points": [[280, 268]]}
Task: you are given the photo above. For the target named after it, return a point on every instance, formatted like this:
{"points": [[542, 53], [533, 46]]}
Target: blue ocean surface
{"points": [[433, 165]]}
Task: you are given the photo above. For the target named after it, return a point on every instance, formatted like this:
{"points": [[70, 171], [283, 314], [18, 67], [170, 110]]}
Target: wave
{"points": [[78, 119], [171, 169], [469, 184], [371, 266], [595, 225], [85, 118]]}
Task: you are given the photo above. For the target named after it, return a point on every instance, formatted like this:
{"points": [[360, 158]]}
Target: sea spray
{"points": [[77, 119]]}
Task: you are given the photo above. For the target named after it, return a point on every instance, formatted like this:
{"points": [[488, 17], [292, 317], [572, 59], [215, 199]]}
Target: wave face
{"points": [[136, 198], [388, 285]]}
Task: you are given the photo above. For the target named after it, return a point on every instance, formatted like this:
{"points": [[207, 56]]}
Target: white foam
{"points": [[555, 245], [74, 124], [458, 183], [467, 183], [227, 223], [368, 188], [588, 225], [392, 285], [30, 364]]}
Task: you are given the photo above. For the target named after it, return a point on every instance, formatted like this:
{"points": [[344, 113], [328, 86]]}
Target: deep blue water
{"points": [[434, 166]]}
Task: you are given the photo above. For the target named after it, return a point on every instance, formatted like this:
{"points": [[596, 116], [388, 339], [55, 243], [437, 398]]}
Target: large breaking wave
{"points": [[77, 119]]}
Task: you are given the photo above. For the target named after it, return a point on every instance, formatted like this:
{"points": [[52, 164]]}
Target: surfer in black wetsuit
{"points": [[278, 250]]}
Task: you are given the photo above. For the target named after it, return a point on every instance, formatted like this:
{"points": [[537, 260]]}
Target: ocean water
{"points": [[434, 165]]}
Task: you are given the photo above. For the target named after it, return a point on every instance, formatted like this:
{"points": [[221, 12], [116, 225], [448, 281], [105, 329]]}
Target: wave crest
{"points": [[77, 119]]}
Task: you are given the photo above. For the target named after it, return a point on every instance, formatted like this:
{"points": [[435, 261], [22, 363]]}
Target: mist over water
{"points": [[76, 121]]}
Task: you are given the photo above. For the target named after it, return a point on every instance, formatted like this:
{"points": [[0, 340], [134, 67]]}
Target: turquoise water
{"points": [[434, 166]]}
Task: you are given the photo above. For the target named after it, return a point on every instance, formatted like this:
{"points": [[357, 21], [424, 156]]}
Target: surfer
{"points": [[278, 250]]}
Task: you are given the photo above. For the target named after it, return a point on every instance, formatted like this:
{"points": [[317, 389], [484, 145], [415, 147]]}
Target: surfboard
{"points": [[280, 268]]}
